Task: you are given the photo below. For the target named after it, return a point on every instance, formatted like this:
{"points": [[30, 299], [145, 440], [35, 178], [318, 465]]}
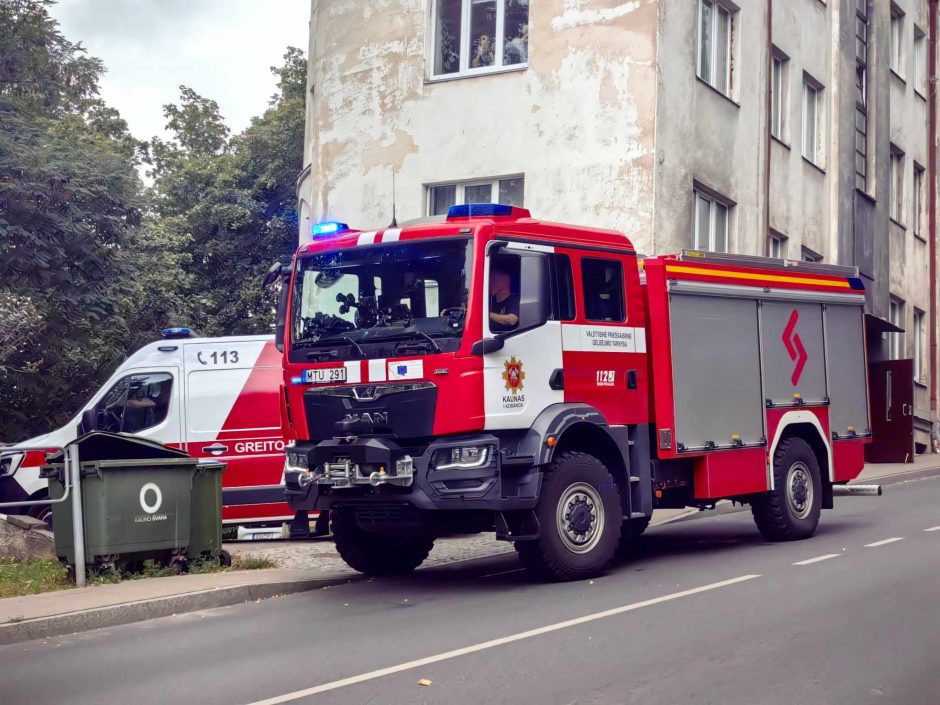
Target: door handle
{"points": [[215, 449]]}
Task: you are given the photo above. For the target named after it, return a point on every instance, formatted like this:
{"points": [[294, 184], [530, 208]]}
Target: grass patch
{"points": [[252, 563], [31, 577]]}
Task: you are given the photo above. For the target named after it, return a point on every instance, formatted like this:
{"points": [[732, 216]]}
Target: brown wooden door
{"points": [[892, 412]]}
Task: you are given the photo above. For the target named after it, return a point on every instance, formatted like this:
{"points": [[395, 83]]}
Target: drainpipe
{"points": [[768, 137], [932, 204]]}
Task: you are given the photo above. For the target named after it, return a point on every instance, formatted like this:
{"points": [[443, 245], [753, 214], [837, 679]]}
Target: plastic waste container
{"points": [[205, 539], [136, 501]]}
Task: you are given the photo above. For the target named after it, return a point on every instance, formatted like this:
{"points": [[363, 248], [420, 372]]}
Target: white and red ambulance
{"points": [[211, 397]]}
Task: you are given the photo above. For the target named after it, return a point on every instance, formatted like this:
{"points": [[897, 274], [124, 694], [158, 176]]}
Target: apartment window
{"points": [[808, 255], [917, 193], [897, 185], [508, 191], [812, 120], [919, 346], [778, 246], [710, 223], [896, 56], [920, 61], [778, 96], [480, 36], [861, 95], [896, 316], [715, 44]]}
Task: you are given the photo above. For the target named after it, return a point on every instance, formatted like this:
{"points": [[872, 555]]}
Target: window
{"points": [[920, 61], [897, 185], [779, 97], [479, 36], [504, 292], [918, 345], [563, 287], [715, 37], [710, 223], [602, 282], [861, 95], [896, 340], [135, 403], [808, 255], [917, 192], [812, 120], [509, 191], [896, 56], [778, 246]]}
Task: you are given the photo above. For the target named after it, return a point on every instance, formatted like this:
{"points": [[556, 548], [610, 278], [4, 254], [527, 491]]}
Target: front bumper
{"points": [[377, 471]]}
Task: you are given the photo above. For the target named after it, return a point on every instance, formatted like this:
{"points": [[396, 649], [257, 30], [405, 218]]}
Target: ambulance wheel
{"points": [[375, 554], [791, 510], [43, 512], [580, 518]]}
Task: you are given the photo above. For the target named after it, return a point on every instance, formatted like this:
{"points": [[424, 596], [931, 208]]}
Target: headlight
{"points": [[464, 457], [9, 462]]}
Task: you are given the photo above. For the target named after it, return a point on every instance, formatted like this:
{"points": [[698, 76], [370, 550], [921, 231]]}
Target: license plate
{"points": [[326, 375]]}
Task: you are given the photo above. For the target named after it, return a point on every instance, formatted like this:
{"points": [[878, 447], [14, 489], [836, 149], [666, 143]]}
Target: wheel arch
{"points": [[804, 425]]}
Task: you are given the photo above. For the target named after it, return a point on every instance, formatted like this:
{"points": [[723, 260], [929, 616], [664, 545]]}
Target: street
{"points": [[706, 612]]}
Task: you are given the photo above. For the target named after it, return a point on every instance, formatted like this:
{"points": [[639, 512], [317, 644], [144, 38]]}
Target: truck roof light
{"points": [[482, 210], [180, 332], [329, 228]]}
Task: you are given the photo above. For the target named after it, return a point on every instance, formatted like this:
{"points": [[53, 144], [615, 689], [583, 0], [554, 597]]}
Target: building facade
{"points": [[792, 128]]}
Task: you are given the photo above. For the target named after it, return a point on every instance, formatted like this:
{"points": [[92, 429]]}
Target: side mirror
{"points": [[274, 273], [89, 421], [487, 346]]}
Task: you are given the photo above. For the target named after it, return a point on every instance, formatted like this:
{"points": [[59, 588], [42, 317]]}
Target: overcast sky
{"points": [[223, 49]]}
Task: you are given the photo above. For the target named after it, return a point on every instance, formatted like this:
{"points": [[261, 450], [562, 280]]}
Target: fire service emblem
{"points": [[513, 375]]}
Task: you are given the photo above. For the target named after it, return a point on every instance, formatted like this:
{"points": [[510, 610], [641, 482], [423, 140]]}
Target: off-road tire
{"points": [[374, 554], [630, 533], [774, 511], [551, 556]]}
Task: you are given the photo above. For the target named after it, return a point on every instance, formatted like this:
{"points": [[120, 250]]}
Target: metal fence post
{"points": [[78, 520]]}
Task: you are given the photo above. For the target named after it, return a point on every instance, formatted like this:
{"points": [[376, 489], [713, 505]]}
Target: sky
{"points": [[223, 49]]}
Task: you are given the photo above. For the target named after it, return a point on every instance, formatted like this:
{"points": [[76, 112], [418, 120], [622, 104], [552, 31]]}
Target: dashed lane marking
{"points": [[933, 528], [817, 559], [483, 646], [883, 542]]}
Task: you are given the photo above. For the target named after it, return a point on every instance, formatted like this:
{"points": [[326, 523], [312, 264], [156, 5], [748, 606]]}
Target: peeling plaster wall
{"points": [[578, 122]]}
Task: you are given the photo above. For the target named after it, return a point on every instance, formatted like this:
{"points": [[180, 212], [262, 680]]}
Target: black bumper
{"points": [[506, 483]]}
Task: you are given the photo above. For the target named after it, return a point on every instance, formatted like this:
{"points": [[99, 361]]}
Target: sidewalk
{"points": [[302, 566]]}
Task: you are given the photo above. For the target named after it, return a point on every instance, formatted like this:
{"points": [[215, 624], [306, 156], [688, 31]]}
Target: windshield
{"points": [[405, 298]]}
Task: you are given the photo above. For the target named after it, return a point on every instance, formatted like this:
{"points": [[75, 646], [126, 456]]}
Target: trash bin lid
{"points": [[104, 445]]}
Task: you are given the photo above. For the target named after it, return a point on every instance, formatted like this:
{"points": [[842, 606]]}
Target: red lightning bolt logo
{"points": [[791, 339]]}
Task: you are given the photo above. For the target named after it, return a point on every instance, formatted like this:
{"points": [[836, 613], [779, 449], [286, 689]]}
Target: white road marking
{"points": [[933, 528], [482, 646], [503, 572], [882, 543], [818, 558]]}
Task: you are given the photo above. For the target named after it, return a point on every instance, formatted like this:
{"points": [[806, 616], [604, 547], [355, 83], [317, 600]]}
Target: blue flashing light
{"points": [[329, 228], [296, 380], [181, 332], [468, 210]]}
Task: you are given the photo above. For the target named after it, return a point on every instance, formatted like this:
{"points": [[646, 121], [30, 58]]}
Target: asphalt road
{"points": [[706, 612]]}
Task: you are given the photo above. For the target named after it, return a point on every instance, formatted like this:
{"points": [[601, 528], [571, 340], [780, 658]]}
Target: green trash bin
{"points": [[206, 524], [135, 507]]}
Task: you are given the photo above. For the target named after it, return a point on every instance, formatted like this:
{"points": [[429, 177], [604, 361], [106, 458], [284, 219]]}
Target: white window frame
{"points": [[778, 245], [465, 70], [708, 241], [780, 96], [896, 202], [918, 352], [896, 316], [462, 186], [729, 10], [918, 199], [813, 90], [896, 41], [808, 255], [920, 62]]}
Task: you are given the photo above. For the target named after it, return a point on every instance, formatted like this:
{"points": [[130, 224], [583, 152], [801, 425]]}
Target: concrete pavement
{"points": [[304, 566], [707, 612]]}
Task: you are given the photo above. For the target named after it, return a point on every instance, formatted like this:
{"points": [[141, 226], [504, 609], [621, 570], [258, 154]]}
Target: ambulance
{"points": [[214, 398]]}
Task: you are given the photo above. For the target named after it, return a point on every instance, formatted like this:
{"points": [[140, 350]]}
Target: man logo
{"points": [[791, 339], [154, 507]]}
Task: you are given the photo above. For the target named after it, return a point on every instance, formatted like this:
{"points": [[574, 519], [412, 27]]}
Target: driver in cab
{"points": [[504, 305]]}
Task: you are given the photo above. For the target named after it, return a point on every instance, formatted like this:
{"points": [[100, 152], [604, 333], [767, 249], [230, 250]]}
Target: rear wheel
{"points": [[579, 515], [791, 510], [375, 554]]}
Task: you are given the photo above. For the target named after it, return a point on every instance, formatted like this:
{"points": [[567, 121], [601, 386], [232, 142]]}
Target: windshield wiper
{"points": [[332, 353], [416, 345]]}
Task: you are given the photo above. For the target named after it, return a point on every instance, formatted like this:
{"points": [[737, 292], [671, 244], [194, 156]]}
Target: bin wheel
{"points": [[225, 558], [179, 564]]}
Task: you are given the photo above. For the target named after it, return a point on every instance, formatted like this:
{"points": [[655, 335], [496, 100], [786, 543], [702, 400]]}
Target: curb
{"points": [[128, 612]]}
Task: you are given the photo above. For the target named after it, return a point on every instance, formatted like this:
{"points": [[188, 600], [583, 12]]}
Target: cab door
{"points": [[521, 378]]}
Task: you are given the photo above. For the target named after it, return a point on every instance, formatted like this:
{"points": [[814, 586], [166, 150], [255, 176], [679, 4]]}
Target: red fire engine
{"points": [[493, 372]]}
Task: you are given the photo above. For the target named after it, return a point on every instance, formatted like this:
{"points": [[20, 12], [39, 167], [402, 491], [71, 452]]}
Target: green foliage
{"points": [[31, 577]]}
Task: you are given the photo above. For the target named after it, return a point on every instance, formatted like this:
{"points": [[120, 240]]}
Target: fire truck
{"points": [[494, 372]]}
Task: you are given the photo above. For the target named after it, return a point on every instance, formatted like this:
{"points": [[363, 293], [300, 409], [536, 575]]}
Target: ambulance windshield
{"points": [[381, 300]]}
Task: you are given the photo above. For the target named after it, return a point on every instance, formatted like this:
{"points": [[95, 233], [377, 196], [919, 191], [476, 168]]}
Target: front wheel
{"points": [[580, 516], [791, 510], [374, 554]]}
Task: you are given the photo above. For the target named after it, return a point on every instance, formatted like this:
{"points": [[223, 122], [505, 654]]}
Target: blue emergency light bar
{"points": [[329, 228], [174, 333], [478, 209]]}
